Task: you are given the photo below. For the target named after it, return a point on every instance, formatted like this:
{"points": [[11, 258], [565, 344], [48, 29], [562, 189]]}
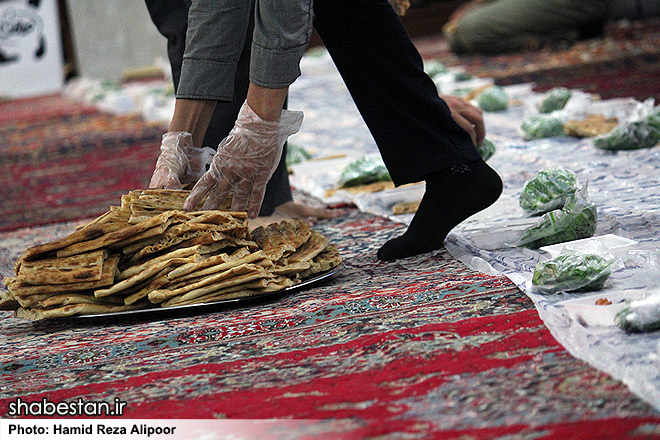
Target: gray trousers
{"points": [[215, 66], [510, 25]]}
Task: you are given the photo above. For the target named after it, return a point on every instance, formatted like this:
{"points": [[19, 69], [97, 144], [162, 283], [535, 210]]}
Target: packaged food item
{"points": [[548, 190], [592, 125], [365, 170], [434, 67], [486, 149], [296, 154], [640, 316], [493, 99], [554, 99], [542, 126], [640, 130], [631, 135], [577, 219], [572, 272]]}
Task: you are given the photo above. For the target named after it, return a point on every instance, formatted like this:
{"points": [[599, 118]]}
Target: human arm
{"points": [[180, 162], [247, 157]]}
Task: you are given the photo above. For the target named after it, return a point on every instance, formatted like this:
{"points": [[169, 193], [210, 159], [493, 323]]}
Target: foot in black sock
{"points": [[451, 196]]}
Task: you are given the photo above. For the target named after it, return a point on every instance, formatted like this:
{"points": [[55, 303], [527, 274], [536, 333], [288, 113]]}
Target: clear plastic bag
{"points": [[548, 190], [572, 271], [365, 170], [577, 219], [640, 316], [641, 130], [486, 149], [554, 99], [296, 153], [542, 126], [493, 99]]}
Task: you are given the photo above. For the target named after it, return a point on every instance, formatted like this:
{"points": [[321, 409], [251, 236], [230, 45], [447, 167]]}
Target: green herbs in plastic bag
{"points": [[296, 154], [572, 272], [577, 219], [365, 170], [542, 126], [632, 135], [640, 316], [462, 76], [555, 99], [486, 149], [493, 99], [548, 190], [434, 67]]}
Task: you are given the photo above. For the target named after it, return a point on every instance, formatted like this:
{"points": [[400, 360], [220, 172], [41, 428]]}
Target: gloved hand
{"points": [[180, 162], [245, 161]]}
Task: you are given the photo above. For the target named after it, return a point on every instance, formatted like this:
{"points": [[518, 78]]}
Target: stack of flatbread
{"points": [[148, 252]]}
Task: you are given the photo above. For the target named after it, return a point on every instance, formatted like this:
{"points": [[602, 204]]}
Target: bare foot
{"points": [[296, 210]]}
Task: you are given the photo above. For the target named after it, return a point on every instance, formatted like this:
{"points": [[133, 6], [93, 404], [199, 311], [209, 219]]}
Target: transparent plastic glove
{"points": [[245, 161], [180, 162]]}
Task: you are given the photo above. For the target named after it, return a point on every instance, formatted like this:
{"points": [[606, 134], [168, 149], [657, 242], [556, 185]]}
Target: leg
{"points": [[171, 19], [509, 25], [412, 126]]}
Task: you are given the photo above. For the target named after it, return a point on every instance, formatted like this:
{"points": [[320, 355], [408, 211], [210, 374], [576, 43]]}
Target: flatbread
{"points": [[7, 301], [178, 253], [77, 268], [240, 275], [141, 277], [280, 239], [65, 299], [253, 288], [314, 246], [233, 276], [326, 260], [213, 265], [107, 278], [158, 281], [173, 236], [75, 309], [291, 268], [105, 240]]}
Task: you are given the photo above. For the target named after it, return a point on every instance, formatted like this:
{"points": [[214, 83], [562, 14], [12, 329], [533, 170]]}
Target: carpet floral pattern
{"points": [[624, 62], [61, 160], [421, 348]]}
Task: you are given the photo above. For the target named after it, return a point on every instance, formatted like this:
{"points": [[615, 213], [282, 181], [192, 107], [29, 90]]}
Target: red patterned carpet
{"points": [[60, 160], [624, 62], [423, 348]]}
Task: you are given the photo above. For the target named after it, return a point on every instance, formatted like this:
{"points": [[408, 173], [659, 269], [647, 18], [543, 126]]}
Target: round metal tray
{"points": [[156, 312]]}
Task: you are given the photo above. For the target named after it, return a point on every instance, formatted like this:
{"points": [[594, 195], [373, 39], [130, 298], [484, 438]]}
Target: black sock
{"points": [[451, 196]]}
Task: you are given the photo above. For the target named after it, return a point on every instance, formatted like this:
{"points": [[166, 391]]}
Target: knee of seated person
{"points": [[465, 38]]}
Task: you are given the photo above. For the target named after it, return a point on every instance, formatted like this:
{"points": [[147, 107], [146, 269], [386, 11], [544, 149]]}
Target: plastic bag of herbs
{"points": [[640, 130], [296, 153], [493, 99], [573, 271], [548, 190], [367, 169], [542, 126], [577, 219], [555, 99], [486, 149], [640, 316]]}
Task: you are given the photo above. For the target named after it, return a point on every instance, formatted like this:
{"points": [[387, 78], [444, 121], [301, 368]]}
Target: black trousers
{"points": [[383, 71]]}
